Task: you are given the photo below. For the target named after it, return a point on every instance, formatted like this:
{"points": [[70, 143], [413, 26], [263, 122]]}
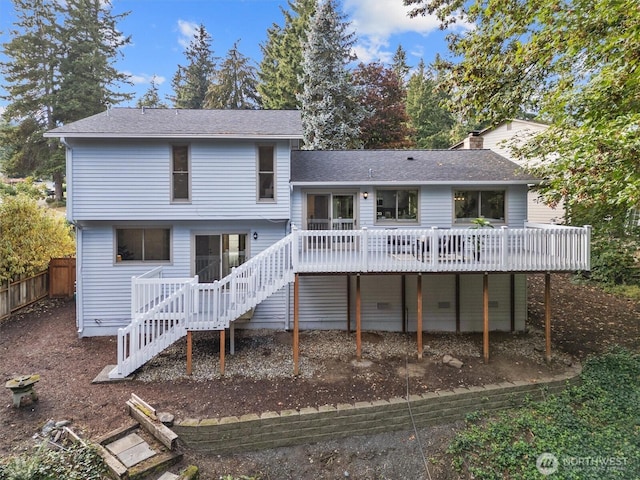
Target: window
{"points": [[266, 173], [180, 173], [143, 244], [472, 204], [397, 206]]}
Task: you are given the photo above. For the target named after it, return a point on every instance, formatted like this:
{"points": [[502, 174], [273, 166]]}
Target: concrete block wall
{"points": [[309, 425]]}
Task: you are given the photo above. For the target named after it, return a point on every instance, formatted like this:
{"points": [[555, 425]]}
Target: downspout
{"points": [[78, 232], [287, 315]]}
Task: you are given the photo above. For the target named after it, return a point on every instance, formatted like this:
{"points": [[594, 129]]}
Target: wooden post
{"points": [[296, 324], [348, 304], [189, 350], [547, 315], [419, 327], [358, 320], [485, 315], [222, 349]]}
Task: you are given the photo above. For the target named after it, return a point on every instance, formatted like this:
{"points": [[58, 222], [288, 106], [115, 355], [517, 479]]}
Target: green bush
{"points": [[584, 428], [30, 236], [76, 462]]}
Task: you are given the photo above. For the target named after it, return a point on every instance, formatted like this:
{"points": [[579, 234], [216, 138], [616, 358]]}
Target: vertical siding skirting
{"points": [[230, 435]]}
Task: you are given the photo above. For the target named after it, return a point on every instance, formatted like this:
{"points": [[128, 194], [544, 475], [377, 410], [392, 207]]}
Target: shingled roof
{"points": [[175, 123], [380, 167]]}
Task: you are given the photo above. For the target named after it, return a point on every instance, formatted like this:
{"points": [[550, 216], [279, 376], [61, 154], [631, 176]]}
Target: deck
{"points": [[542, 248]]}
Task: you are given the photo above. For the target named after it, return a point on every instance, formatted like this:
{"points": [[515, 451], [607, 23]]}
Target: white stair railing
{"points": [[164, 309]]}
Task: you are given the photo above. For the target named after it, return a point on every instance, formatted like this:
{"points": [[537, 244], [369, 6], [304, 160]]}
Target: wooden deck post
{"points": [[222, 349], [189, 351], [547, 315], [419, 322], [296, 324], [358, 320], [485, 315]]}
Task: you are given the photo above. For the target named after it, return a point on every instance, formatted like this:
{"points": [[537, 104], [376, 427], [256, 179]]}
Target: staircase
{"points": [[163, 310]]}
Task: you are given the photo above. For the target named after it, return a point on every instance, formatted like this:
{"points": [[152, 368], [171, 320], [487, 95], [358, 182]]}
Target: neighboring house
{"points": [[188, 220], [499, 139]]}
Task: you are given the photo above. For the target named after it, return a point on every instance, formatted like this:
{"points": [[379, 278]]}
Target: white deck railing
{"points": [[533, 248], [163, 309]]}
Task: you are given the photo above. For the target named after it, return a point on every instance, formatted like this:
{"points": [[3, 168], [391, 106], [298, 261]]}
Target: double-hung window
{"points": [[143, 245], [472, 204], [180, 178], [266, 173], [397, 205]]}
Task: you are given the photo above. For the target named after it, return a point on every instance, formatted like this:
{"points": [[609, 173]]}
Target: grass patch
{"points": [[592, 430]]}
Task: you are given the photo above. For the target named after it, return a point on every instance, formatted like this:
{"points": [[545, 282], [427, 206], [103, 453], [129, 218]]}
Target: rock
{"points": [[62, 423], [446, 359], [455, 363], [48, 427], [166, 418], [538, 348]]}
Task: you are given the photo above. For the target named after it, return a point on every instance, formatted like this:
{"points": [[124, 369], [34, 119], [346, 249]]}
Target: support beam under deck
{"points": [[547, 315], [296, 324], [358, 320], [485, 316]]}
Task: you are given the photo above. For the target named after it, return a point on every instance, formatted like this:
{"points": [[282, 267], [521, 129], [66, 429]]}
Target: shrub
{"points": [[30, 236]]}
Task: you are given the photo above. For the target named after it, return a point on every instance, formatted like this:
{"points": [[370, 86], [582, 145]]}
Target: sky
{"points": [[161, 29]]}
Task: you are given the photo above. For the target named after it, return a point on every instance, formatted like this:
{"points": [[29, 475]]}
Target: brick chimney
{"points": [[474, 141]]}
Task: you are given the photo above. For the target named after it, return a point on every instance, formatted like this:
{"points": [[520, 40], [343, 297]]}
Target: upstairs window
{"points": [[143, 245], [266, 173], [472, 204], [397, 206], [180, 183]]}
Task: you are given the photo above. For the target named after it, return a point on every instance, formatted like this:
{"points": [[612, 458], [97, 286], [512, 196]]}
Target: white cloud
{"points": [[145, 78], [375, 21], [187, 31]]}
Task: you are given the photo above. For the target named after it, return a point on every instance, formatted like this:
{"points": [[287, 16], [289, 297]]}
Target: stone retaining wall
{"points": [[309, 425]]}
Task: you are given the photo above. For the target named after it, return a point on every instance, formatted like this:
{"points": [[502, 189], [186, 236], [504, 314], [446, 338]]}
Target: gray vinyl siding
{"points": [[132, 181]]}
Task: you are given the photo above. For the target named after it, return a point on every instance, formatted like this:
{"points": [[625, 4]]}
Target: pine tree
{"points": [[331, 113], [281, 65], [430, 120], [151, 99], [236, 83], [382, 96], [191, 82]]}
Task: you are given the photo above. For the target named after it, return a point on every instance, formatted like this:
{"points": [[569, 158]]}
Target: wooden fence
{"points": [[57, 281]]}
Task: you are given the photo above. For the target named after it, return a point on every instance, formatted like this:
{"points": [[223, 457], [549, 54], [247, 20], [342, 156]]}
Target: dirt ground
{"points": [[42, 339]]}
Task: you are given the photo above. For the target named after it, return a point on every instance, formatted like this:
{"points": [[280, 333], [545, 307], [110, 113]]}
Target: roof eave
{"points": [[408, 183], [172, 135]]}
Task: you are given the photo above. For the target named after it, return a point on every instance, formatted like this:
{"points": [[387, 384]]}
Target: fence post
{"points": [[365, 249], [504, 259], [294, 248]]}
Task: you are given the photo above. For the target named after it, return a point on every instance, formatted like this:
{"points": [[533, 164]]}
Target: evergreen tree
{"points": [[151, 99], [382, 96], [281, 65], [331, 113], [399, 64], [58, 70], [431, 121], [191, 82], [89, 80], [236, 84]]}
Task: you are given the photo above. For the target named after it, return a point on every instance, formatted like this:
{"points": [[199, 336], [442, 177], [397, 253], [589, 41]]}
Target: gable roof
{"points": [[175, 123], [531, 123], [404, 167]]}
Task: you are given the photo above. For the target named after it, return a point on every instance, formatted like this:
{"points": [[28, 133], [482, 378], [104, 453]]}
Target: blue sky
{"points": [[161, 29]]}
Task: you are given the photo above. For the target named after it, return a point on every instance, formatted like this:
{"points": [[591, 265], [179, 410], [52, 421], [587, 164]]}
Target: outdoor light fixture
{"points": [[365, 195], [255, 235]]}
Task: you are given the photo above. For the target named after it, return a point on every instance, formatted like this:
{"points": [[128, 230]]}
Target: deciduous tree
{"points": [[382, 97]]}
